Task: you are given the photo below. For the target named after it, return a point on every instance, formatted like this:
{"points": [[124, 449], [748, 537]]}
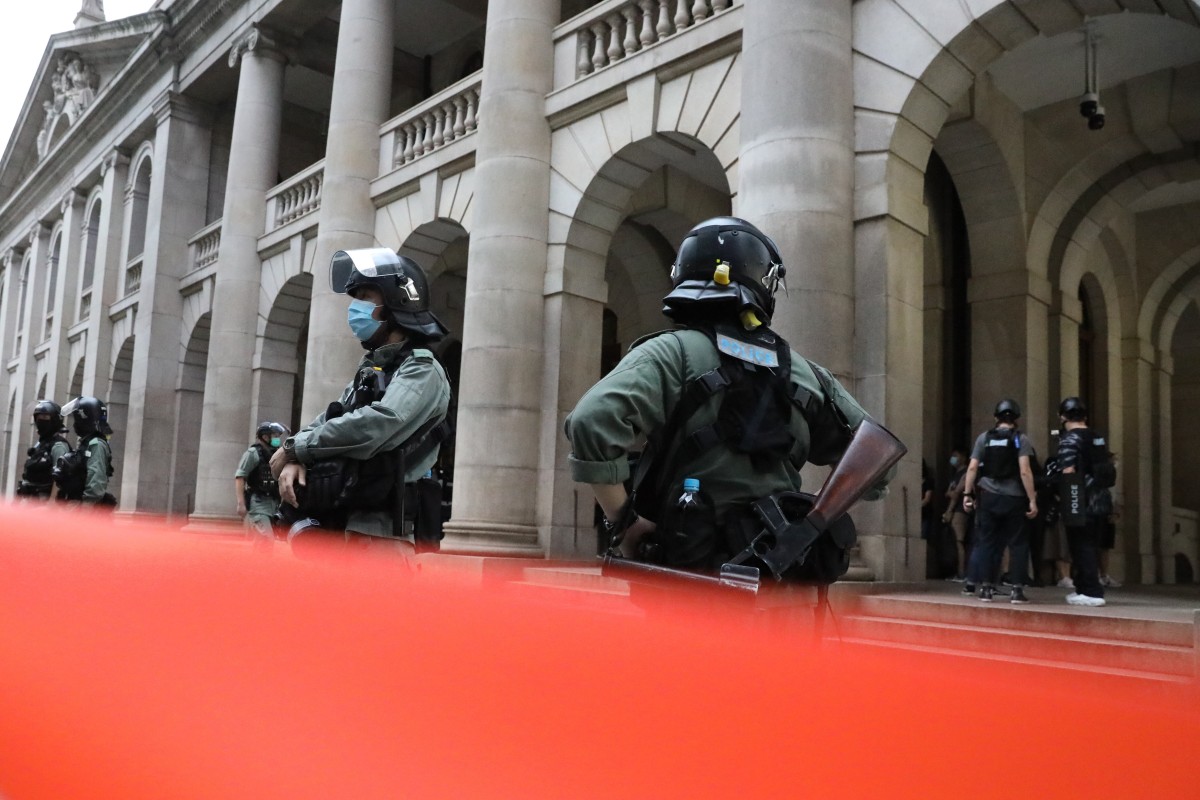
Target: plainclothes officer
{"points": [[396, 401], [256, 488], [37, 479], [83, 474], [1083, 451], [999, 471], [759, 410]]}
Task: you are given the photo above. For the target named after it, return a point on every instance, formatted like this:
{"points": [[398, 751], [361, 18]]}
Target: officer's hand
{"points": [[946, 517], [241, 509], [968, 503], [1069, 471], [633, 534], [1032, 512], [278, 461], [289, 476]]}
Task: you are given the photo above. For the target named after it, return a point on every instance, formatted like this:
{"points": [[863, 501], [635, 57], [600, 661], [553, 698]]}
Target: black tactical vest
{"points": [[70, 473], [1001, 448], [38, 476], [261, 481]]}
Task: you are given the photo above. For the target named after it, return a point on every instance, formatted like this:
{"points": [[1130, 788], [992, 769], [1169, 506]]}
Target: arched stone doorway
{"points": [[189, 409], [281, 355], [118, 410]]}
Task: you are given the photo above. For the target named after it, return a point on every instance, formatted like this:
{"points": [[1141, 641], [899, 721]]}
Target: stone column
{"points": [[1138, 460], [28, 328], [1160, 551], [9, 297], [797, 165], [66, 295], [500, 407], [176, 208], [226, 427], [362, 83], [114, 172]]}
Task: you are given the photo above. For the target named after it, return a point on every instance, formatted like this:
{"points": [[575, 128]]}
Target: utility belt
{"points": [[694, 538], [27, 489], [337, 487]]}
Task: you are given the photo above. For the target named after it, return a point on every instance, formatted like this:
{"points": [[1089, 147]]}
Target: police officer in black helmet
{"points": [[999, 488], [84, 472], [392, 410], [255, 487], [37, 479], [756, 410], [1083, 453]]}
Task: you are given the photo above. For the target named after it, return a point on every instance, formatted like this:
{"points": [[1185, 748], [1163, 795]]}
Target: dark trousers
{"points": [[1084, 542], [999, 523]]}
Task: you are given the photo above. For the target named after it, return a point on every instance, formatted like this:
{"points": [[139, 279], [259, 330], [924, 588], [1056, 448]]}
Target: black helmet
{"points": [[1008, 410], [401, 280], [1072, 408], [268, 428], [725, 261], [89, 414], [48, 407], [47, 427]]}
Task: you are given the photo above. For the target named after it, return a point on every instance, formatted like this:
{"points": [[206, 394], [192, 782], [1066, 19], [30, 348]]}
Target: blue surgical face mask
{"points": [[360, 317], [954, 461], [274, 441]]}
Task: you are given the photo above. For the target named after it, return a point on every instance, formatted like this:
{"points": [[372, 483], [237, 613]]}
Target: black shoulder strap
{"points": [[830, 391]]}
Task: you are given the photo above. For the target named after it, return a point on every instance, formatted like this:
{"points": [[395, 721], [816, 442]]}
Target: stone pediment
{"points": [[75, 70]]}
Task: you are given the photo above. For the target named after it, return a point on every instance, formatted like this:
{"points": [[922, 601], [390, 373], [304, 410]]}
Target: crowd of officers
{"points": [[687, 444], [1000, 497], [54, 470]]}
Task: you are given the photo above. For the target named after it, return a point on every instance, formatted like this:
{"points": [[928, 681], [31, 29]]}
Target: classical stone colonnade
{"points": [[545, 196]]}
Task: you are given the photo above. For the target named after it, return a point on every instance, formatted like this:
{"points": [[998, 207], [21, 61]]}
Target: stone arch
{"points": [[281, 352], [76, 387], [118, 404], [441, 248], [189, 410], [91, 242], [1162, 291], [11, 435], [421, 224], [138, 194]]}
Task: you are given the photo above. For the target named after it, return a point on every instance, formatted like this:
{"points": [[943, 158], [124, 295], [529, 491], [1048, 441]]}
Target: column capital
{"points": [[74, 195], [173, 105], [36, 230], [117, 157], [263, 41]]}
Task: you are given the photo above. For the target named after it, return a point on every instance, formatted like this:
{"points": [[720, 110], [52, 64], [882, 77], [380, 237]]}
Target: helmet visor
{"points": [[71, 407], [369, 263]]}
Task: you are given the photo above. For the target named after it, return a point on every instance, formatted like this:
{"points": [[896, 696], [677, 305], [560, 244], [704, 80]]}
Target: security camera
{"points": [[1088, 104], [1096, 120]]}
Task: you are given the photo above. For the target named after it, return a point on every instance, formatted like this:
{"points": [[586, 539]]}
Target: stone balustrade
{"points": [[295, 197], [617, 29], [133, 276], [444, 118], [205, 245]]}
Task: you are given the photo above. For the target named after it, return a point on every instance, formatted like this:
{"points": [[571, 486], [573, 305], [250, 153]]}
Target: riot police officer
{"points": [[1000, 470], [385, 430], [84, 472], [256, 488], [1084, 453], [731, 411], [37, 479]]}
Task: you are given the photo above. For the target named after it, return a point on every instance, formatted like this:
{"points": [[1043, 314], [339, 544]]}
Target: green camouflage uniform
{"points": [[418, 392], [635, 399]]}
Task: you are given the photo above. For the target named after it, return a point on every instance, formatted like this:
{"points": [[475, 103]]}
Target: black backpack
{"points": [[1103, 470]]}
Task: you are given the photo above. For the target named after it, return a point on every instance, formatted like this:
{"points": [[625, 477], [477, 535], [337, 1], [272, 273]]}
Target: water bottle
{"points": [[693, 536]]}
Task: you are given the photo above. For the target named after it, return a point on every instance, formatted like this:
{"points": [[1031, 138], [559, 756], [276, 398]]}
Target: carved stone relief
{"points": [[74, 83]]}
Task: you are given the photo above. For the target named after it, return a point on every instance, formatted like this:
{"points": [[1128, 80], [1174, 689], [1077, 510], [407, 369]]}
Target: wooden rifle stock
{"points": [[872, 452]]}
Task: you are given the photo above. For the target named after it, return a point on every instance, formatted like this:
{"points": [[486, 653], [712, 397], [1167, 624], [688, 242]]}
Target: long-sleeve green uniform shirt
{"points": [[636, 398], [418, 392], [99, 456]]}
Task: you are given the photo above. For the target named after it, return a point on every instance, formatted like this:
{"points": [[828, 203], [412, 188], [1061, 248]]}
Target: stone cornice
{"points": [[173, 105]]}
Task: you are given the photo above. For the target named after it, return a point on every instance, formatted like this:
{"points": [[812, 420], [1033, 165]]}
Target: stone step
{"points": [[1105, 651], [1108, 622], [941, 654]]}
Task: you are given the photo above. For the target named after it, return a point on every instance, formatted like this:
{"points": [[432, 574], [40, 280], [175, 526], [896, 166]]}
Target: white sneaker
{"points": [[1111, 583], [1076, 599], [1065, 583]]}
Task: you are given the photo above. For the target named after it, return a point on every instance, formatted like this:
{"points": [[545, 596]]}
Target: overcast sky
{"points": [[23, 39]]}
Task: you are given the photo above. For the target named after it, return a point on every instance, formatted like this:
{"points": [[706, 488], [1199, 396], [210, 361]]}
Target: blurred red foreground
{"points": [[144, 663]]}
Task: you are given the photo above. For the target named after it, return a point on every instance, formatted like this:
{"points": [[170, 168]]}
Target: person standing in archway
{"points": [[1084, 457], [1001, 471]]}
